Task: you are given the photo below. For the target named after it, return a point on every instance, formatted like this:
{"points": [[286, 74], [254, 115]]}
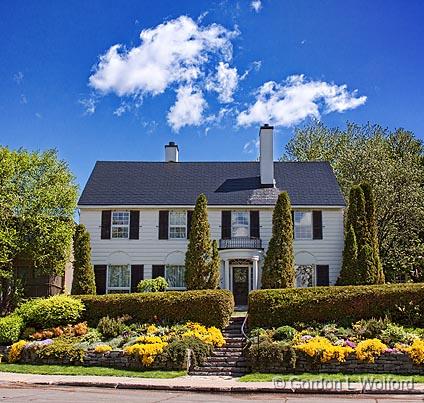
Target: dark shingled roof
{"points": [[223, 183]]}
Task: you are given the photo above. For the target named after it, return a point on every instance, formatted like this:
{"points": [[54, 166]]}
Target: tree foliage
{"points": [[202, 263], [393, 164], [348, 274], [278, 270], [83, 281], [37, 202]]}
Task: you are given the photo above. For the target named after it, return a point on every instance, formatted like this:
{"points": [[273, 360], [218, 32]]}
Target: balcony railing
{"points": [[240, 243]]}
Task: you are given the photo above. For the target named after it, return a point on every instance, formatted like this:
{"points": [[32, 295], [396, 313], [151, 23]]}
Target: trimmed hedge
{"points": [[273, 308], [10, 329], [208, 307]]}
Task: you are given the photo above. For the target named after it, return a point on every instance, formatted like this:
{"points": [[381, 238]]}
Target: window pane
{"points": [[120, 218], [177, 218], [177, 232], [119, 232], [119, 276], [240, 224], [305, 275], [303, 225], [174, 275]]}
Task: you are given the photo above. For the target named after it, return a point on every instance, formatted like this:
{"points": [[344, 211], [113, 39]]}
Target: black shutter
{"points": [[134, 224], [106, 221], [163, 224], [323, 275], [317, 224], [189, 217], [254, 225], [292, 214], [100, 278], [158, 270], [226, 225], [137, 274]]}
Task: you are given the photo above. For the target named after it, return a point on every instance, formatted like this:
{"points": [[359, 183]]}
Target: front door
{"points": [[240, 285]]}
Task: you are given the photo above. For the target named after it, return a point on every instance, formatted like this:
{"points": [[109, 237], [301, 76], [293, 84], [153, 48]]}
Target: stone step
{"points": [[234, 339], [224, 373], [218, 370], [229, 350], [227, 353], [226, 358], [214, 365]]}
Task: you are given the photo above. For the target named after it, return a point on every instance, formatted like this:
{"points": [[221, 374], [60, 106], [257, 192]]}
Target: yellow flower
{"points": [[415, 351], [146, 352], [15, 351], [149, 339], [152, 329], [102, 348], [211, 335], [368, 350], [321, 348]]}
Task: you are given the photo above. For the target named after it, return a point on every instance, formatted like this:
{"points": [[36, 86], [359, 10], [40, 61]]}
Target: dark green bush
{"points": [[10, 329], [260, 354], [284, 333], [51, 312], [273, 308], [208, 307], [112, 327], [176, 351]]}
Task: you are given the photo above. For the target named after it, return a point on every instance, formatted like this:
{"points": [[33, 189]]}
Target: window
{"points": [[305, 276], [118, 279], [174, 275], [120, 224], [302, 225], [177, 224], [240, 224]]}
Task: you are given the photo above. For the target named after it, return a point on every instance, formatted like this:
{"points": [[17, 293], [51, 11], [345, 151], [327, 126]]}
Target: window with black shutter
{"points": [[163, 224], [323, 275], [254, 225], [105, 224], [100, 278], [189, 218], [137, 274], [158, 270], [317, 224], [134, 224], [226, 225]]}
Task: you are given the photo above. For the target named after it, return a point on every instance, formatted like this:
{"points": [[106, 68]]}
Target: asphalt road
{"points": [[90, 395]]}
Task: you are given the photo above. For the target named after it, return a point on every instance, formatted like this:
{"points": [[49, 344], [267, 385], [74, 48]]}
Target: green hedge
{"points": [[209, 307], [273, 308], [10, 329]]}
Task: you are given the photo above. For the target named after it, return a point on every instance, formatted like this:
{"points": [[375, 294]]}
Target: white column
{"points": [[227, 274], [255, 284]]}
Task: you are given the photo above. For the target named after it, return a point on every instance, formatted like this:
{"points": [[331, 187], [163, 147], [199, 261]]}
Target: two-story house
{"points": [[139, 215]]}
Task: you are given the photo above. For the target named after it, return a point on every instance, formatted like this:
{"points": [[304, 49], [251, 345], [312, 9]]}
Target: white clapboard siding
{"points": [[149, 250]]}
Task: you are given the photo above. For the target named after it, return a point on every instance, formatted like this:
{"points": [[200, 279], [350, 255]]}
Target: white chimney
{"points": [[267, 155], [171, 152]]}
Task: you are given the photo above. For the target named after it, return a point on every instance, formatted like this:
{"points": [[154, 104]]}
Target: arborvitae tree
{"points": [[202, 261], [372, 227], [83, 281], [348, 273], [278, 270]]}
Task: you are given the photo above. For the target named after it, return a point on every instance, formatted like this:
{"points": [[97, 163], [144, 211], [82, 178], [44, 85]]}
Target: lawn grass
{"points": [[261, 377], [80, 370]]}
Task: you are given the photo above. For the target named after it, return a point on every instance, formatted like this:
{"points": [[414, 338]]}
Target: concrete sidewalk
{"points": [[211, 384]]}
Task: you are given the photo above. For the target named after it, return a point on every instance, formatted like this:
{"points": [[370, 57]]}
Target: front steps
{"points": [[227, 360]]}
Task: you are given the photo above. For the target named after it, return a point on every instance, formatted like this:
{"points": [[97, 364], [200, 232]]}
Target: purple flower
{"points": [[46, 342], [350, 344], [391, 350], [306, 337]]}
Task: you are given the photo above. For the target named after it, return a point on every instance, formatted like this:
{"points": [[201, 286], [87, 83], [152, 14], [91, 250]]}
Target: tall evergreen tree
{"points": [[348, 273], [83, 281], [373, 229], [202, 261], [278, 270]]}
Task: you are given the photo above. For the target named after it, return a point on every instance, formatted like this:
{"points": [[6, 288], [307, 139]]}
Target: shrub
{"points": [[146, 350], [322, 350], [368, 350], [176, 351], [157, 284], [260, 354], [112, 327], [10, 329], [209, 307], [273, 308], [52, 311], [15, 351], [102, 348], [394, 334], [284, 333], [62, 348], [415, 351], [369, 329]]}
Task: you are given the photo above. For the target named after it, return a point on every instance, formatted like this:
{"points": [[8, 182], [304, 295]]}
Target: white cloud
{"points": [[38, 115], [24, 99], [224, 82], [296, 99], [188, 108], [251, 146], [256, 5], [173, 52], [89, 105], [18, 77]]}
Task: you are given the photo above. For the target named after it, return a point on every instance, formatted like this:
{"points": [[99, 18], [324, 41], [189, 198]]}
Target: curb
{"points": [[217, 389]]}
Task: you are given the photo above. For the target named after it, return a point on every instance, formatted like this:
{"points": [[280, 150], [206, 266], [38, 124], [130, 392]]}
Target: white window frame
{"points": [[127, 226], [314, 274], [298, 227], [233, 224], [177, 225], [122, 289], [180, 266]]}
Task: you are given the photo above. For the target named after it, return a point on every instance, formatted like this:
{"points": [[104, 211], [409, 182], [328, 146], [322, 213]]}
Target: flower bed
{"points": [[378, 346]]}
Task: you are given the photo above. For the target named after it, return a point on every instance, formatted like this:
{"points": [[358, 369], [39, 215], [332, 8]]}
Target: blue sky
{"points": [[204, 74]]}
